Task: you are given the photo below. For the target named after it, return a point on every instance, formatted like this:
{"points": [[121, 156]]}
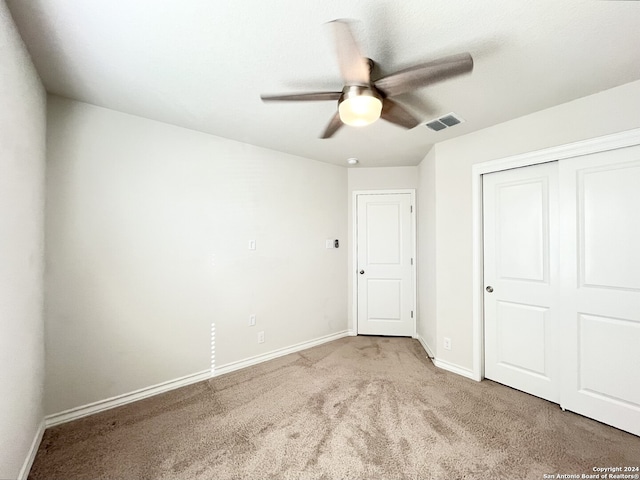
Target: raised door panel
{"points": [[384, 232], [522, 338], [609, 216], [604, 375], [384, 299], [522, 247]]}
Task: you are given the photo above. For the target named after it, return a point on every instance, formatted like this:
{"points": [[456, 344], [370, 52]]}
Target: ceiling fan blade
{"points": [[355, 68], [304, 97], [395, 113], [424, 74], [333, 126]]}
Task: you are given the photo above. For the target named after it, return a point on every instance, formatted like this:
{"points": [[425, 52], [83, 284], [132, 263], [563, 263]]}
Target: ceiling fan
{"points": [[363, 100]]}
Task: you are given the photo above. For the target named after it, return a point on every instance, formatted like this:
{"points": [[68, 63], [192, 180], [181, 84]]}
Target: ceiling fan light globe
{"points": [[360, 110]]}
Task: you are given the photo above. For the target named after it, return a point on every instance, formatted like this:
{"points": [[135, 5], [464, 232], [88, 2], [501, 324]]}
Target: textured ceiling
{"points": [[203, 64]]}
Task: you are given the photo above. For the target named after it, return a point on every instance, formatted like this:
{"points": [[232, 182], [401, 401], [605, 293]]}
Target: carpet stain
{"points": [[437, 424]]}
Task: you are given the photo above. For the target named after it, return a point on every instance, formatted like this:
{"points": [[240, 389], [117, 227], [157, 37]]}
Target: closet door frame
{"points": [[599, 144]]}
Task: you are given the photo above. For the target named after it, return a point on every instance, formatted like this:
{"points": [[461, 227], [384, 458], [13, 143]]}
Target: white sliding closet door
{"points": [[521, 280], [600, 290], [562, 261]]}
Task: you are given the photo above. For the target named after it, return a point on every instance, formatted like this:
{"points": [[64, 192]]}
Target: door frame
{"points": [[604, 143], [354, 252]]}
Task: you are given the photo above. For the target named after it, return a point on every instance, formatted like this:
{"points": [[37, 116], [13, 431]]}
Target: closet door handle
{"points": [[489, 289], [361, 272]]}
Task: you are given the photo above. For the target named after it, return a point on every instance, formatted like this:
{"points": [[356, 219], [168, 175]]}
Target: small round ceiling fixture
{"points": [[352, 161]]}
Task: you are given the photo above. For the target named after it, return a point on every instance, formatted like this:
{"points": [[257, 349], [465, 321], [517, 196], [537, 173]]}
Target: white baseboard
{"points": [[28, 462], [423, 342], [451, 367], [352, 333], [233, 366], [101, 405]]}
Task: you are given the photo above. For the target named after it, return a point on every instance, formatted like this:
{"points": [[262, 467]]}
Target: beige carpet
{"points": [[359, 407]]}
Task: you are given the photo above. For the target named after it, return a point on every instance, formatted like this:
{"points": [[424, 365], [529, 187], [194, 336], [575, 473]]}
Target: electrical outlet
{"points": [[447, 343], [260, 337], [252, 320]]}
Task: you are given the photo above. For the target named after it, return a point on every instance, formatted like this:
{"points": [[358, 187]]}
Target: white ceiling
{"points": [[202, 64]]}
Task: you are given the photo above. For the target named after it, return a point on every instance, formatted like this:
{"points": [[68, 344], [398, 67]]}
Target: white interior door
{"points": [[600, 248], [521, 281], [384, 243]]}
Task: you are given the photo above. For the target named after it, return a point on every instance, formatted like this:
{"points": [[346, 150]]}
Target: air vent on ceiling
{"points": [[443, 122]]}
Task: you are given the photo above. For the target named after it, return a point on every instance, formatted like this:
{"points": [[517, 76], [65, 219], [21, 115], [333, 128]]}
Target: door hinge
{"points": [[411, 313], [412, 261], [411, 208]]}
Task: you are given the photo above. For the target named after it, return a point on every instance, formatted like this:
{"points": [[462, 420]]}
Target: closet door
{"points": [[600, 286], [521, 282]]}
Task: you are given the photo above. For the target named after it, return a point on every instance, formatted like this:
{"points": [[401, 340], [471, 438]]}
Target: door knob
{"points": [[361, 272], [489, 289]]}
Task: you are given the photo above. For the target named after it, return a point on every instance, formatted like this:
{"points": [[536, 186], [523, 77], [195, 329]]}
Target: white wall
{"points": [[426, 220], [22, 161], [148, 227], [607, 112], [381, 178]]}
